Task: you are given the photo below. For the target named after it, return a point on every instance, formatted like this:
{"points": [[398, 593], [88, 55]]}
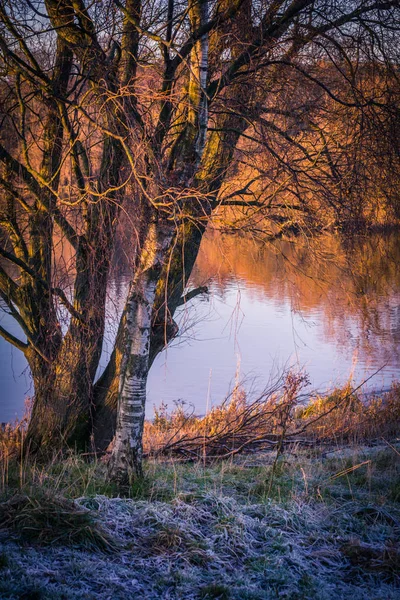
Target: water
{"points": [[331, 310]]}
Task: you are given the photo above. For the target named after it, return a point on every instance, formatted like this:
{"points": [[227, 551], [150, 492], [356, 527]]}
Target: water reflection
{"points": [[328, 306]]}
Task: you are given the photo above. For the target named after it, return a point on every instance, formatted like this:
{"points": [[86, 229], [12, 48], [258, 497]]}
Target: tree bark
{"points": [[174, 277], [61, 410], [126, 459]]}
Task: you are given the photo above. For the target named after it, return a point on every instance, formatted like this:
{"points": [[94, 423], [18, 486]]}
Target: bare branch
{"points": [[41, 194], [9, 337], [193, 294]]}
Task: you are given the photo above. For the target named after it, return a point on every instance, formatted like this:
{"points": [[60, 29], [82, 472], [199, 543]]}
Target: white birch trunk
{"points": [[126, 458]]}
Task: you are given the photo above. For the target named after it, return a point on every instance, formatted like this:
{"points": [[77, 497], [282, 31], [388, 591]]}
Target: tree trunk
{"points": [[126, 459], [62, 403], [170, 287], [61, 415]]}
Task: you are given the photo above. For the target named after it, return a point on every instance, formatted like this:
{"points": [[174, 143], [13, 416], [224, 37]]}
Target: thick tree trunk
{"points": [[61, 415], [63, 403], [61, 411], [126, 459]]}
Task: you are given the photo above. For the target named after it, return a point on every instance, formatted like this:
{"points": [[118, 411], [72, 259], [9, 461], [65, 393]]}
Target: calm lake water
{"points": [[328, 309]]}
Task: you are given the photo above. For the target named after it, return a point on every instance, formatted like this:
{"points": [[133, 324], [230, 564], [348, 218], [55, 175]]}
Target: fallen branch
{"points": [[282, 417]]}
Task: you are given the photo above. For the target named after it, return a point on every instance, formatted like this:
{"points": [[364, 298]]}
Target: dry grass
{"points": [[211, 531], [346, 417], [237, 425], [283, 415], [11, 441], [47, 518]]}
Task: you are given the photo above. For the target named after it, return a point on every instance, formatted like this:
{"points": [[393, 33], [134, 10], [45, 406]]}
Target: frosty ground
{"points": [[320, 524]]}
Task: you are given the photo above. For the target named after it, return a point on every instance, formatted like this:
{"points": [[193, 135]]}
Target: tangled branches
{"points": [[233, 427], [283, 415]]}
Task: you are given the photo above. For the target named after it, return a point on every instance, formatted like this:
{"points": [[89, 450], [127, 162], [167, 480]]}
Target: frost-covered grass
{"points": [[314, 526]]}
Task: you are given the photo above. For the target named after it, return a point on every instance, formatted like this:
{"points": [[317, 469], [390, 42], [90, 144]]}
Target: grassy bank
{"points": [[320, 521]]}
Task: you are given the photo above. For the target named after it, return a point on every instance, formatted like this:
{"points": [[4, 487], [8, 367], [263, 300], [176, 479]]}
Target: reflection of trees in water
{"points": [[372, 279], [354, 286]]}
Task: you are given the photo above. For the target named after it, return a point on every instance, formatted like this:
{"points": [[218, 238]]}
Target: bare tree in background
{"points": [[170, 114]]}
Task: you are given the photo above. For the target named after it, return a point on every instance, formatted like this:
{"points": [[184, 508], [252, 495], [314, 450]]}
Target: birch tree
{"points": [[169, 113]]}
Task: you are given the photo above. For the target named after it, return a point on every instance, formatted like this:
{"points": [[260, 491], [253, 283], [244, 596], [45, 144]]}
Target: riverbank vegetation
{"points": [[315, 516]]}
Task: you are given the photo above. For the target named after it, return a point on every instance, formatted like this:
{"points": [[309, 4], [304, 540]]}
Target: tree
{"points": [[169, 113]]}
